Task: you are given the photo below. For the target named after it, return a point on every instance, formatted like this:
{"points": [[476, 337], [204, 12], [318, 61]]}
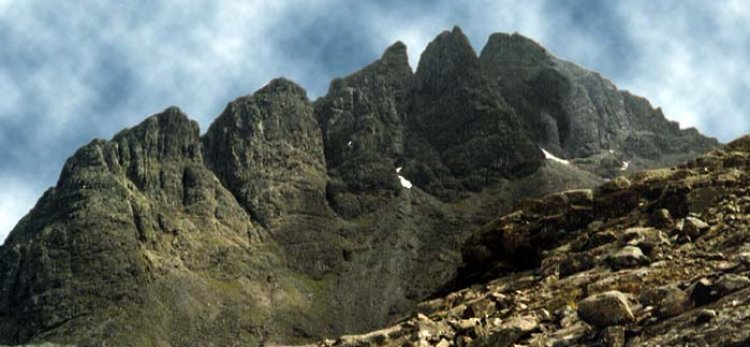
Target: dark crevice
{"points": [[254, 217]]}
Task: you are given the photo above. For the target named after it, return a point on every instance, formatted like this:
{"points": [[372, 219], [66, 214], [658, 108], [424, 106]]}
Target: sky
{"points": [[71, 71]]}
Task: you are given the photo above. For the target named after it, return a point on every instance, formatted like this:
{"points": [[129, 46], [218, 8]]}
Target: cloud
{"points": [[690, 59], [11, 96], [15, 201], [72, 71]]}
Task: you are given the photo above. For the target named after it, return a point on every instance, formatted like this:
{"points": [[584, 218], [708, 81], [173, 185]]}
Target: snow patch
{"points": [[404, 182], [349, 143], [611, 151], [625, 166], [549, 156]]}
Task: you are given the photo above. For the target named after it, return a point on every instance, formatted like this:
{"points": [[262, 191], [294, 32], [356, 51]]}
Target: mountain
{"points": [[657, 258], [291, 220]]}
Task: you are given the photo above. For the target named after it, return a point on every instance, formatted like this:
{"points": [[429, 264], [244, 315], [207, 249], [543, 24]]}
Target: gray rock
{"points": [[510, 332], [605, 309], [729, 283], [694, 227], [647, 239], [661, 218], [627, 257], [669, 301]]}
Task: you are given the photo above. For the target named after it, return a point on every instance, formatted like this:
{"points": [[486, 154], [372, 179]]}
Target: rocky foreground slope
{"points": [[291, 220], [658, 258]]}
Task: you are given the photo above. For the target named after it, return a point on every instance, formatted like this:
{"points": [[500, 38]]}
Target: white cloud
{"points": [[4, 4], [689, 60], [16, 200], [525, 17], [414, 38], [10, 95], [190, 58], [479, 20]]}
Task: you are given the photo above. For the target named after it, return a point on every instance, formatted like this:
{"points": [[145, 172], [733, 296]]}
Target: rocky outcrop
{"points": [[118, 245], [362, 118], [291, 220], [465, 134], [267, 149], [577, 113], [542, 275]]}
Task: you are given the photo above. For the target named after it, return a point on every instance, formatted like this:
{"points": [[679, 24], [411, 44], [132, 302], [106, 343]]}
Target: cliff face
{"points": [[577, 113], [362, 119], [136, 233], [290, 220], [475, 135]]}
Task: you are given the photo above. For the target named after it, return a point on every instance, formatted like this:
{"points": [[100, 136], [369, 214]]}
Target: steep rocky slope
{"points": [[658, 258], [290, 220]]}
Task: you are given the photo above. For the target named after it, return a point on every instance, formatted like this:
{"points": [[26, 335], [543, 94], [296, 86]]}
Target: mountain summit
{"points": [[291, 220]]}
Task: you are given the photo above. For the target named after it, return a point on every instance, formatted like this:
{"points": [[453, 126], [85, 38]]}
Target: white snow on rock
{"points": [[349, 143], [611, 151], [404, 182], [625, 166], [549, 156]]}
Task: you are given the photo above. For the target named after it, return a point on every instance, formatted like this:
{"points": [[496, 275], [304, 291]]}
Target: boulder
{"points": [[661, 218], [627, 257], [729, 283], [605, 309], [510, 332], [647, 239], [668, 301], [694, 227]]}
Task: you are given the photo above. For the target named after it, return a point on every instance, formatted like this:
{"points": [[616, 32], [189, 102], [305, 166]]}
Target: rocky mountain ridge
{"points": [[289, 220]]}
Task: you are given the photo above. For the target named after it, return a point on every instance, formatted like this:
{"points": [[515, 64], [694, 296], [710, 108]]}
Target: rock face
{"points": [[136, 233], [362, 119], [292, 220], [475, 137], [577, 113], [694, 292], [267, 149]]}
